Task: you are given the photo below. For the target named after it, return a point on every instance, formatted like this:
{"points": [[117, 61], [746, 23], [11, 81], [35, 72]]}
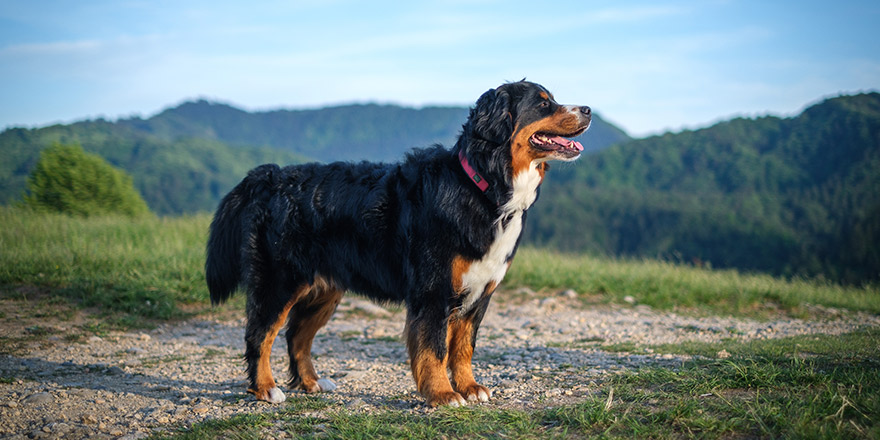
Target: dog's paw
{"points": [[276, 395], [476, 393], [326, 385], [272, 395], [320, 385], [310, 388], [450, 398]]}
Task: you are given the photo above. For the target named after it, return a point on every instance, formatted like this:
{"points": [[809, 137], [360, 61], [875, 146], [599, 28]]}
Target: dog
{"points": [[437, 232]]}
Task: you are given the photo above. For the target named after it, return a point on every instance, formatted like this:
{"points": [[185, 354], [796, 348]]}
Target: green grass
{"points": [[802, 387], [807, 387], [249, 426], [129, 268], [153, 268], [668, 286]]}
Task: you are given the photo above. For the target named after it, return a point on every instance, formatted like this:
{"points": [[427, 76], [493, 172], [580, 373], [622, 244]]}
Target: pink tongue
{"points": [[567, 142]]}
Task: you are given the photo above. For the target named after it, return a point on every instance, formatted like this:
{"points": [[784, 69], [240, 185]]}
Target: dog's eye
{"points": [[544, 104]]}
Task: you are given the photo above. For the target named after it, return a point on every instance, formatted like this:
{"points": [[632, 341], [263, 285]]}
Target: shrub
{"points": [[66, 179]]}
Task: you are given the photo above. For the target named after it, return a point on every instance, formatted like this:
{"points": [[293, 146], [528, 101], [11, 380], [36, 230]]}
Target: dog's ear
{"points": [[491, 118]]}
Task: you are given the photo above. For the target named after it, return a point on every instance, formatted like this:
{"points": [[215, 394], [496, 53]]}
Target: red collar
{"points": [[478, 180]]}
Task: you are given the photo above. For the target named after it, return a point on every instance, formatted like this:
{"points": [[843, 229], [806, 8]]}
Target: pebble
{"points": [[570, 293], [531, 349], [355, 403], [43, 398]]}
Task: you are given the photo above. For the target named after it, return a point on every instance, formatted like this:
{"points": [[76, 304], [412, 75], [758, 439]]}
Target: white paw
{"points": [[483, 396], [455, 403], [326, 385], [276, 395]]}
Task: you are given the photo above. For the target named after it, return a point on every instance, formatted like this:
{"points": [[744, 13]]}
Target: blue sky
{"points": [[647, 66]]}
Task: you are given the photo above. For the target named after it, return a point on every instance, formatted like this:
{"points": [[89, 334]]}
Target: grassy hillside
{"points": [[185, 175], [153, 268], [348, 132], [136, 272], [184, 159], [352, 132], [794, 196]]}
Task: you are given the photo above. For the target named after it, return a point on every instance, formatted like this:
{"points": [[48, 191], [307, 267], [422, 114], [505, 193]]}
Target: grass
{"points": [[802, 387], [131, 269], [249, 426], [668, 286], [136, 271], [153, 269]]}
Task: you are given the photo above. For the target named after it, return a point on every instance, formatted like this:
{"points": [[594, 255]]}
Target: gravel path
{"points": [[534, 352]]}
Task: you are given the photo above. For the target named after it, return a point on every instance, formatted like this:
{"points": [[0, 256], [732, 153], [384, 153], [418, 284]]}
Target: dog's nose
{"points": [[586, 111]]}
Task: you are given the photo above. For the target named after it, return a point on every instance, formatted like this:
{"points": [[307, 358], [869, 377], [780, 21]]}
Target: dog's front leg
{"points": [[427, 339], [462, 332]]}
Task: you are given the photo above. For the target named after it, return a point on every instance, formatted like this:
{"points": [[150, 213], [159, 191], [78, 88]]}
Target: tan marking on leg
{"points": [[430, 372], [461, 352], [460, 266], [307, 328], [265, 381], [490, 288]]}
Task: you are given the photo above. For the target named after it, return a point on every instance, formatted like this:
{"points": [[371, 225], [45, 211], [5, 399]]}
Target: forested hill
{"points": [[185, 158], [350, 132], [796, 195]]}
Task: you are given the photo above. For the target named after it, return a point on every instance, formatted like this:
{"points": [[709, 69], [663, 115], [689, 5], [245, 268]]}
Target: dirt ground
{"points": [[62, 377]]}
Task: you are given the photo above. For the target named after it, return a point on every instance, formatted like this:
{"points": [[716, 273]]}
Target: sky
{"points": [[648, 67]]}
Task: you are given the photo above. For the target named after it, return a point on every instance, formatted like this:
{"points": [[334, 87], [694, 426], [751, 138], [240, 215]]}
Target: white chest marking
{"points": [[493, 266]]}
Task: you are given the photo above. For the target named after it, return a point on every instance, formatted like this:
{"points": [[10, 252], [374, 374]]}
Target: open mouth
{"points": [[556, 143]]}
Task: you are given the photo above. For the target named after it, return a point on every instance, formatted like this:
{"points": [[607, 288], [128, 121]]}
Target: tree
{"points": [[66, 179]]}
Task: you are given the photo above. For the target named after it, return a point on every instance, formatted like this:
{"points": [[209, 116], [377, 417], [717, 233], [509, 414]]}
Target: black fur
{"points": [[387, 231]]}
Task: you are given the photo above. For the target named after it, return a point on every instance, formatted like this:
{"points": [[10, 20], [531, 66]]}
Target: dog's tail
{"points": [[236, 225]]}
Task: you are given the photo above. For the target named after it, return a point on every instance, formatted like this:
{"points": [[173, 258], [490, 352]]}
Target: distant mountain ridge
{"points": [[378, 132], [793, 196], [186, 157]]}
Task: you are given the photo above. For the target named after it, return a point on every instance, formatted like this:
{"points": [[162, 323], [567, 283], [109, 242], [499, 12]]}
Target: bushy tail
{"points": [[233, 222]]}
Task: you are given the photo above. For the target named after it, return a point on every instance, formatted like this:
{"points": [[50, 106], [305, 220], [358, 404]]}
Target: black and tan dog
{"points": [[437, 232]]}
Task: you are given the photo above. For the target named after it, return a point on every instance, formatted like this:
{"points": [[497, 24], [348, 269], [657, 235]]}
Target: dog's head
{"points": [[520, 124]]}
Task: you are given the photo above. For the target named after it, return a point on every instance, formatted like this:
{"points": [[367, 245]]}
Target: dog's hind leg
{"points": [[306, 318], [267, 313]]}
